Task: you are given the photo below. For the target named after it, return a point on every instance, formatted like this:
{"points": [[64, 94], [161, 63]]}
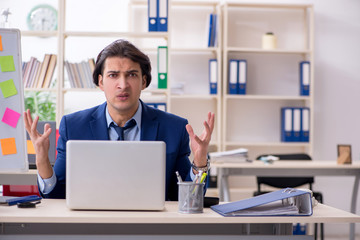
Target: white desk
{"points": [[53, 217], [288, 169]]}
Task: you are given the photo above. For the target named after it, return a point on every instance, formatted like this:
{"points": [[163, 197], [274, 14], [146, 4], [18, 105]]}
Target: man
{"points": [[122, 71]]}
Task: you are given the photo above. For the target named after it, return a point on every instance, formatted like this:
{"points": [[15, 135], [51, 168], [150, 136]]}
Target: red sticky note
{"points": [[11, 117], [8, 146]]}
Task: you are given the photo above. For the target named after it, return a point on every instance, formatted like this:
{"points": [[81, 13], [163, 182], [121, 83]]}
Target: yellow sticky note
{"points": [[8, 146], [1, 47], [30, 147], [7, 63], [8, 88]]}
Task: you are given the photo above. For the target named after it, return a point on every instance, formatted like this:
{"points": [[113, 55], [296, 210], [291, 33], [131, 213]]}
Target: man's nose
{"points": [[122, 82]]}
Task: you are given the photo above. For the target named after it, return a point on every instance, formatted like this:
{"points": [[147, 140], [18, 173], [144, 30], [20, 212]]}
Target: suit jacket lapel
{"points": [[98, 124], [149, 124]]}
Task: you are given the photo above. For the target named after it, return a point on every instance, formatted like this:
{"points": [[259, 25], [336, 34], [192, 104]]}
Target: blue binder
{"points": [[305, 124], [210, 30], [297, 124], [162, 15], [305, 78], [213, 81], [233, 76], [287, 124], [215, 32], [284, 202], [153, 15], [242, 76]]}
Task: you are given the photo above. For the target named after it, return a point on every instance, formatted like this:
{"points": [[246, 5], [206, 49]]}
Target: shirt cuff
{"points": [[192, 175], [47, 185]]}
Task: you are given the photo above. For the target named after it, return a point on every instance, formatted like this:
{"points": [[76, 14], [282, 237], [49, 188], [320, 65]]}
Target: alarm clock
{"points": [[42, 18]]}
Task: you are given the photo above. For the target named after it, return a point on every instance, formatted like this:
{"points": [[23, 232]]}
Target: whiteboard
{"points": [[13, 149]]}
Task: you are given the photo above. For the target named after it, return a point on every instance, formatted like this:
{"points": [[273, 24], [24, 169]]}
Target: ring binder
{"points": [[284, 202]]}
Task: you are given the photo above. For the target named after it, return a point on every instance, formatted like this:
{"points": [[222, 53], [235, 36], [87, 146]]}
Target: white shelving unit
{"points": [[253, 120]]}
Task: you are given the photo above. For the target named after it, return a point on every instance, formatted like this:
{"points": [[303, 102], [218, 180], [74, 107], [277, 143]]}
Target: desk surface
{"points": [[55, 211]]}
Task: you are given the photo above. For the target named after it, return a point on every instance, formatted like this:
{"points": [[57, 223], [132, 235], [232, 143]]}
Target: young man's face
{"points": [[122, 82]]}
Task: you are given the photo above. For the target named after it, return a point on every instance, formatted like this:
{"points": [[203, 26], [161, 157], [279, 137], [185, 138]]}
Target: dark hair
{"points": [[124, 49]]}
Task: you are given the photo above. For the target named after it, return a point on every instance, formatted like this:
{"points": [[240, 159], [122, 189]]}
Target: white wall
{"points": [[337, 88]]}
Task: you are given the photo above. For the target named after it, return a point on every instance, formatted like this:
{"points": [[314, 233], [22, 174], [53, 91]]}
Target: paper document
{"points": [[236, 155]]}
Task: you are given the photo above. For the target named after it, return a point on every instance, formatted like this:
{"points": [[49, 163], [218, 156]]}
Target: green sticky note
{"points": [[7, 64], [8, 88]]}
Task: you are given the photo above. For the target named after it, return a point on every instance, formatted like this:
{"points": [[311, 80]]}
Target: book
{"points": [[283, 202], [50, 71], [44, 67]]}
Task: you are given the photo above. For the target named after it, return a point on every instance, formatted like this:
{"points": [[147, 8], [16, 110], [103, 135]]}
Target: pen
{"points": [[178, 176], [203, 177]]}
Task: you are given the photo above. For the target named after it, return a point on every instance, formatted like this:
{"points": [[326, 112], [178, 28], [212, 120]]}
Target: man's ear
{"points": [[143, 82], [101, 83]]}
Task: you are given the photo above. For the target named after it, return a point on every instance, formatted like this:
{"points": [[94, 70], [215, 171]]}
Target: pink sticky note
{"points": [[11, 117]]}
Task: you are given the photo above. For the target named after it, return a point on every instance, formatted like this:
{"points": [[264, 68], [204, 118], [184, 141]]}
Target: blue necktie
{"points": [[120, 130]]}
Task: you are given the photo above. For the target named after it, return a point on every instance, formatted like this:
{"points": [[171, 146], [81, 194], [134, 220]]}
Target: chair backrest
{"points": [[283, 182]]}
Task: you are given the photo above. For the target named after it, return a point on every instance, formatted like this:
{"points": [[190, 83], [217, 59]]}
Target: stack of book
{"points": [[38, 74], [80, 74], [236, 155]]}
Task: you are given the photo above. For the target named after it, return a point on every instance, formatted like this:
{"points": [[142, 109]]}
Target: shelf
{"points": [[192, 50], [268, 144], [40, 89], [260, 50], [267, 97], [39, 33], [117, 34], [260, 5], [200, 97]]}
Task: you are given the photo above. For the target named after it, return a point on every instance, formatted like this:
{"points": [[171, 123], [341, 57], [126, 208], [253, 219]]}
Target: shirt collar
{"points": [[136, 117]]}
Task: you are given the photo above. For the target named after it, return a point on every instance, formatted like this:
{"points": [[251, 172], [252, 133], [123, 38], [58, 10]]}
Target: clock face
{"points": [[42, 18]]}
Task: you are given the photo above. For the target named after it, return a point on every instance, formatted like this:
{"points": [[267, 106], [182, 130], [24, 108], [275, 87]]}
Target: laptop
{"points": [[52, 138], [115, 175]]}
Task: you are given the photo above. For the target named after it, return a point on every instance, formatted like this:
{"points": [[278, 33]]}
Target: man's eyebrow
{"points": [[132, 71], [112, 71]]}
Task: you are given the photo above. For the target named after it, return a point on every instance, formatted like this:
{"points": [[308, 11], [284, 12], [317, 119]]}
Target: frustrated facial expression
{"points": [[122, 82]]}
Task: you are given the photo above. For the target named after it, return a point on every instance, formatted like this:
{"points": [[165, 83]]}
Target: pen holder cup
{"points": [[191, 197]]}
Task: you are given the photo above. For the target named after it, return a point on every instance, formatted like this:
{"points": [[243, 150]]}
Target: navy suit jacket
{"points": [[156, 125]]}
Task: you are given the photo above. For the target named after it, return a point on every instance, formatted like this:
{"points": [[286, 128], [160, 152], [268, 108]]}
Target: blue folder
{"points": [[15, 200], [284, 202]]}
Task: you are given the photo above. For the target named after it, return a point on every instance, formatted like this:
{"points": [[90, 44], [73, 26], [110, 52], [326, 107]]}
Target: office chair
{"points": [[283, 182]]}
